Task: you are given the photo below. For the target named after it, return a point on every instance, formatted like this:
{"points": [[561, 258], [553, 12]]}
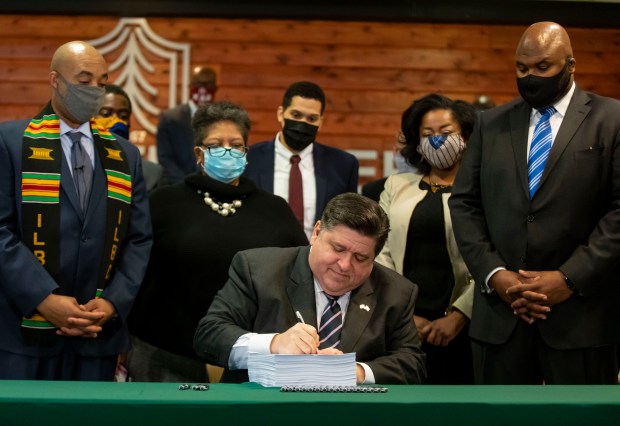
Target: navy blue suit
{"points": [[24, 283], [336, 171], [175, 143]]}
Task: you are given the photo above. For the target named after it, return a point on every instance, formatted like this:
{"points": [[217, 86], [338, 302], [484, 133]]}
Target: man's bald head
{"points": [[544, 64], [545, 36], [75, 64], [203, 76], [75, 51]]}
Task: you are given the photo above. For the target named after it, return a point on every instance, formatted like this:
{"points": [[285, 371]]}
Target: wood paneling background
{"points": [[370, 71]]}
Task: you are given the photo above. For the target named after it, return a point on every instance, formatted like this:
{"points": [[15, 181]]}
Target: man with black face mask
{"points": [[536, 214], [294, 166], [75, 231]]}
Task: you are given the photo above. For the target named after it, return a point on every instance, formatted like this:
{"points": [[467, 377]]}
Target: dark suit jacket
{"points": [[374, 189], [154, 176], [24, 283], [336, 171], [265, 288], [572, 223], [175, 143]]}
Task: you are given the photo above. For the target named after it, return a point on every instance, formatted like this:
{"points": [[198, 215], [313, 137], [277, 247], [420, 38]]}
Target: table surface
{"points": [[27, 402]]}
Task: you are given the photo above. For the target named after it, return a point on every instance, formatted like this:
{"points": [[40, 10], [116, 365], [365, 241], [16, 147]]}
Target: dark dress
{"points": [[427, 264], [192, 249]]}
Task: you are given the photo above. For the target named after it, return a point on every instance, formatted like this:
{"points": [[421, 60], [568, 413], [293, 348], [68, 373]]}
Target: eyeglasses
{"points": [[220, 151]]}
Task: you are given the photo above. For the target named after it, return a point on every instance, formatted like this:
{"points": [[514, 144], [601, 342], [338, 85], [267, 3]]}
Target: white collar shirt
{"points": [[88, 141], [282, 171]]}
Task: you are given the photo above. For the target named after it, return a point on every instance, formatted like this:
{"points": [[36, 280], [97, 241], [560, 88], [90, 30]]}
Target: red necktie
{"points": [[295, 190]]}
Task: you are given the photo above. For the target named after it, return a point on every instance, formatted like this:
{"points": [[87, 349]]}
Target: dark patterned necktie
{"points": [[82, 169], [331, 324], [295, 190]]}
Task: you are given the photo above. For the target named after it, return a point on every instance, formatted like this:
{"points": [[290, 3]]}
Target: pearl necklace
{"points": [[223, 209]]}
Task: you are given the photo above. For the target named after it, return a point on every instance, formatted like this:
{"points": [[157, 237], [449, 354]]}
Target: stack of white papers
{"points": [[302, 370]]}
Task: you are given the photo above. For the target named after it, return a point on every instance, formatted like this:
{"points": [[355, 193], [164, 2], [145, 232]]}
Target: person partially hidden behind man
{"points": [[335, 277], [115, 115], [294, 166], [175, 140]]}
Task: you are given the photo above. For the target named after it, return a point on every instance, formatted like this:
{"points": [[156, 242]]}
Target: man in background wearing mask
{"points": [[536, 213], [75, 231], [175, 146], [297, 168], [115, 115]]}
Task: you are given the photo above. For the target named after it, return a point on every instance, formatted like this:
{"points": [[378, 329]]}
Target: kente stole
{"points": [[41, 164]]}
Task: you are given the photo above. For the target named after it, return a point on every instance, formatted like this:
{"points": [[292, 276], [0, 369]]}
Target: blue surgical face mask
{"points": [[224, 169]]}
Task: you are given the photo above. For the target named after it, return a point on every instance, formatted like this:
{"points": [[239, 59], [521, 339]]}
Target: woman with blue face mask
{"points": [[198, 226], [421, 244]]}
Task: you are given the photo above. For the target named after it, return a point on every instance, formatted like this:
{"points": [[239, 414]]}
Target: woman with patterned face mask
{"points": [[198, 226], [421, 244]]}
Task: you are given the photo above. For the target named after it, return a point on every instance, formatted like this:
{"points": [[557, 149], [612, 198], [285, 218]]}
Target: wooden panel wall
{"points": [[370, 71]]}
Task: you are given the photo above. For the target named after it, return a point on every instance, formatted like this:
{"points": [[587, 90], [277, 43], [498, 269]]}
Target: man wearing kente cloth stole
{"points": [[75, 231]]}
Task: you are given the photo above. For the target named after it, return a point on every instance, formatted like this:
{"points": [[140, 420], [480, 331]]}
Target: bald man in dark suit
{"points": [[544, 248]]}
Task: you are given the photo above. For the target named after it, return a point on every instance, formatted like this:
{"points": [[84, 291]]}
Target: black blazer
{"points": [[175, 143], [571, 224], [266, 287], [336, 171]]}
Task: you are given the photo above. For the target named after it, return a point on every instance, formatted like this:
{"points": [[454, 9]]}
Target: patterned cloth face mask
{"points": [[442, 151]]}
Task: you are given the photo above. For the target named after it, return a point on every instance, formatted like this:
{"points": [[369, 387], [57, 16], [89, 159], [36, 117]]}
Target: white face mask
{"points": [[442, 151]]}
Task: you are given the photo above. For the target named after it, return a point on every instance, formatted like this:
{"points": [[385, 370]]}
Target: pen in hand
{"points": [[299, 317]]}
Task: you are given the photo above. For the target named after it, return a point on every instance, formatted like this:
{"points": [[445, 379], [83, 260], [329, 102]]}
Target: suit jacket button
{"points": [[530, 218]]}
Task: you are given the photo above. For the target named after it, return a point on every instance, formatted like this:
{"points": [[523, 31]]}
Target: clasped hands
{"points": [[531, 294], [73, 319]]}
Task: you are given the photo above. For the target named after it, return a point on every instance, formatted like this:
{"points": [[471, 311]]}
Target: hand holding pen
{"points": [[301, 338], [327, 351]]}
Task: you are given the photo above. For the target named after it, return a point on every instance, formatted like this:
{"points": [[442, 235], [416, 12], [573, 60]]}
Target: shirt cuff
{"points": [[485, 284], [260, 343], [369, 378], [246, 343]]}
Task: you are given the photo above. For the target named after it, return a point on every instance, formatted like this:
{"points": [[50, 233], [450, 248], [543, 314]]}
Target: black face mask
{"points": [[298, 134], [541, 92]]}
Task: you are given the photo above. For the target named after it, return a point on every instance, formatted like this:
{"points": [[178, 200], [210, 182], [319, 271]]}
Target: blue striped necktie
{"points": [[540, 149], [331, 324]]}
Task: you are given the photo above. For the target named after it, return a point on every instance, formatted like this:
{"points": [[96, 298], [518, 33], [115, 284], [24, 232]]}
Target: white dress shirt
{"points": [[282, 171], [88, 142]]}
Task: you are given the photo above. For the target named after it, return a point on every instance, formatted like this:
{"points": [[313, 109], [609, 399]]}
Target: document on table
{"points": [[301, 370]]}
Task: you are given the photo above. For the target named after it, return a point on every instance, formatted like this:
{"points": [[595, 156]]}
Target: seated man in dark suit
{"points": [[370, 306], [115, 115], [175, 141], [297, 168]]}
